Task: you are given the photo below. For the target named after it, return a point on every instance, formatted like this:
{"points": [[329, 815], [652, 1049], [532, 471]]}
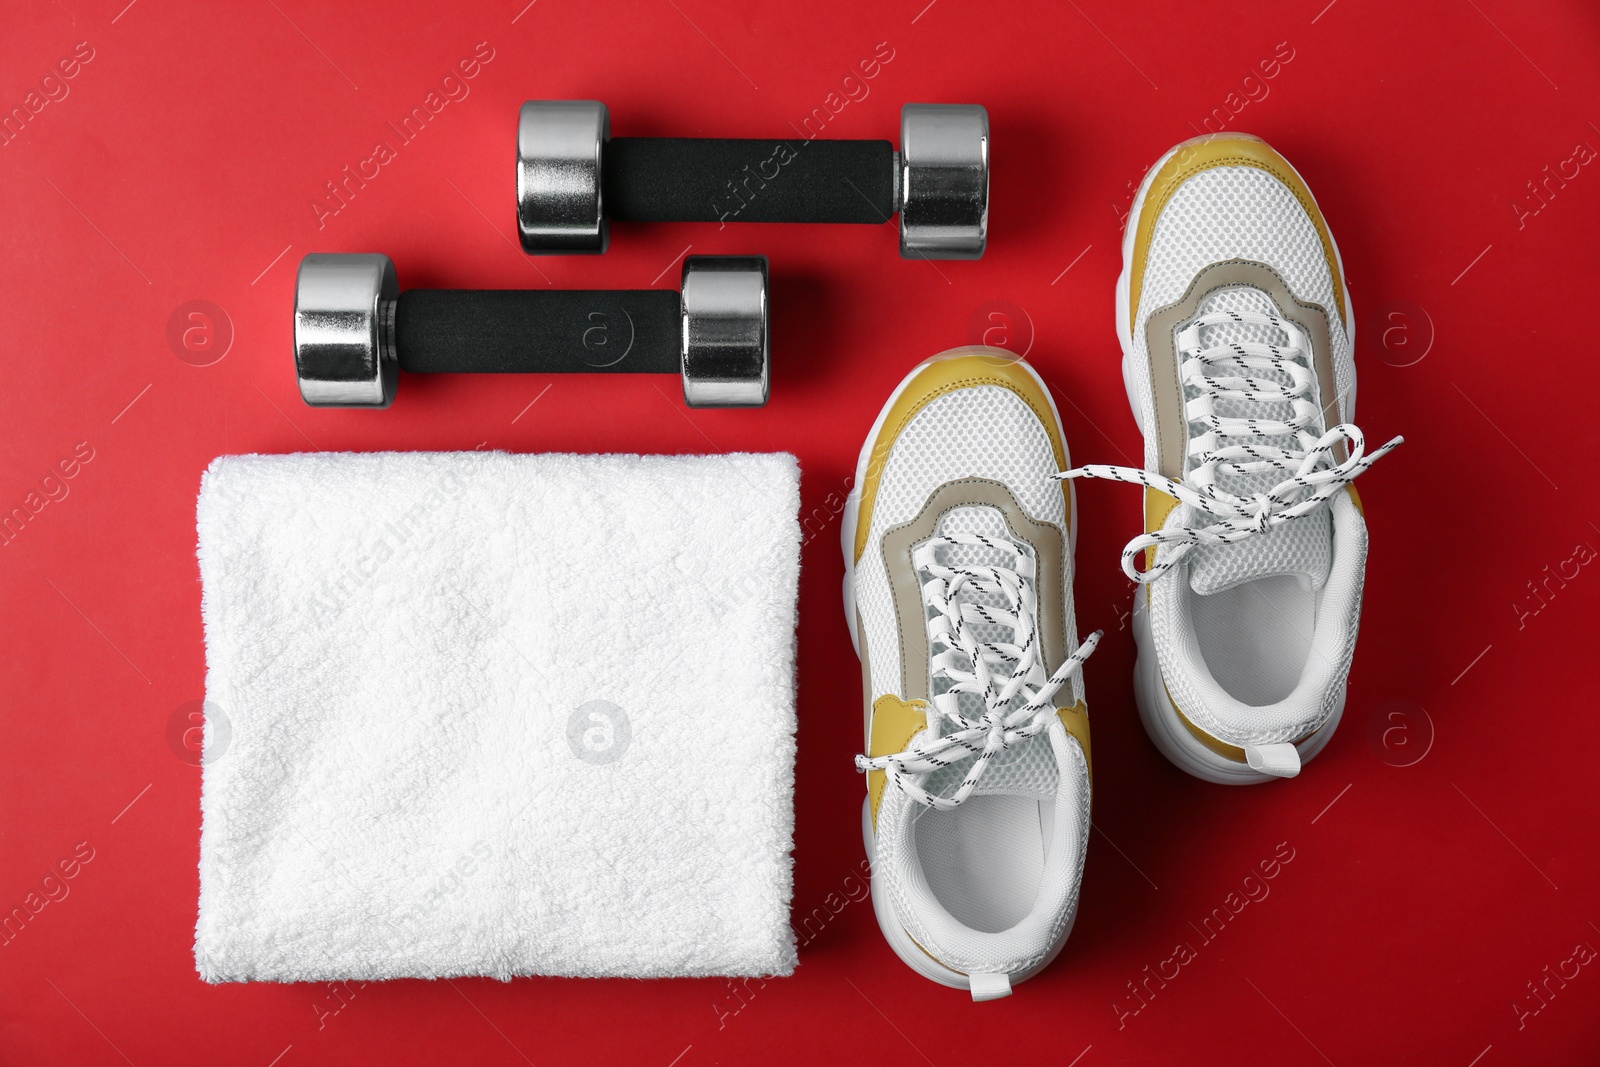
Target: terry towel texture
{"points": [[489, 714]]}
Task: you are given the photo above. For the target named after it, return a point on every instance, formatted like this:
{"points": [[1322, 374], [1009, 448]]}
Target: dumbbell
{"points": [[354, 330], [573, 177]]}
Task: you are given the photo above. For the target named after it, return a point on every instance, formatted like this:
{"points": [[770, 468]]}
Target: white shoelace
{"points": [[1234, 371], [997, 670]]}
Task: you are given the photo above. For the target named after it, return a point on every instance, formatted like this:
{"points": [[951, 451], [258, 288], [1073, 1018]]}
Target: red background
{"points": [[1444, 845]]}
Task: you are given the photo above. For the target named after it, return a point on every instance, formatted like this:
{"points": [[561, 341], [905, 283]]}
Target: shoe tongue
{"points": [[1028, 767], [1303, 548]]}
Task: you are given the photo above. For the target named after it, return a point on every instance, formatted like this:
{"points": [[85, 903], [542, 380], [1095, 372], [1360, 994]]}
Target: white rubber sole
{"points": [[894, 932], [1160, 720]]}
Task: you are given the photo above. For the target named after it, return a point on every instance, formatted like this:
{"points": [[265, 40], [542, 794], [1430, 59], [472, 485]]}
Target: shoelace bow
{"points": [[1233, 445], [999, 671]]}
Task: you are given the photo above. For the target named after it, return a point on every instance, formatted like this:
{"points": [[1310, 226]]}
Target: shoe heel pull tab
{"points": [[1280, 760], [989, 986]]}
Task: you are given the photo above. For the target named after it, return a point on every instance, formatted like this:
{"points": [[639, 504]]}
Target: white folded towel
{"points": [[486, 714]]}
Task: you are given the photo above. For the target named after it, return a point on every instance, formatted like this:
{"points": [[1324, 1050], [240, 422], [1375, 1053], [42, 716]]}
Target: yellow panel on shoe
{"points": [[1076, 720], [894, 723], [1222, 150], [1221, 748], [959, 368], [1157, 506]]}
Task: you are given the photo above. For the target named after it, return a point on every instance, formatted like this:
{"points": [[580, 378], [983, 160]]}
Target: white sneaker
{"points": [[1236, 340], [958, 589]]}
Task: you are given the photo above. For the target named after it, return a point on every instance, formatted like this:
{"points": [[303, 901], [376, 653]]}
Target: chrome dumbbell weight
{"points": [[354, 331], [573, 177]]}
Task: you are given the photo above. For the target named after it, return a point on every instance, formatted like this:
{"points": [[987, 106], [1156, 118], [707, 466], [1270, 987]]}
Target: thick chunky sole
{"points": [[894, 932], [1160, 718]]}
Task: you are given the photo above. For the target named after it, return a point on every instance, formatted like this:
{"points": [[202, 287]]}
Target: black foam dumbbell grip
{"points": [[675, 179], [512, 331]]}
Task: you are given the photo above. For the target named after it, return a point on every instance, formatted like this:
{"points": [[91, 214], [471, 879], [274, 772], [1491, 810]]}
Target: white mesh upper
{"points": [[1304, 546], [1025, 769], [1234, 213], [1219, 214], [976, 432], [982, 431], [1028, 768]]}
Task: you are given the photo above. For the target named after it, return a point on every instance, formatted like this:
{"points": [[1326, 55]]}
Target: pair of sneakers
{"points": [[958, 540]]}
